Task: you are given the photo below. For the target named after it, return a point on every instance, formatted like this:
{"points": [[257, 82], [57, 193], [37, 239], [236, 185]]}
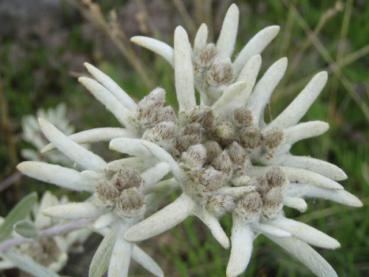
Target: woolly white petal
{"points": [[129, 146], [164, 156], [270, 230], [163, 220], [305, 233], [94, 135], [304, 130], [295, 203], [300, 105], [73, 210], [71, 149], [93, 176], [251, 70], [228, 33], [146, 261], [236, 191], [183, 70], [238, 93], [309, 191], [112, 86], [140, 164], [155, 174], [214, 226], [322, 167], [306, 255], [156, 46], [4, 265], [201, 37], [122, 114], [120, 258], [242, 238], [309, 177], [48, 200], [255, 46], [104, 221], [265, 87], [166, 185], [222, 105], [56, 174]]}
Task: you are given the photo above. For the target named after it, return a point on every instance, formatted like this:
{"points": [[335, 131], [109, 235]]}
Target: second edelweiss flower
{"points": [[118, 195]]}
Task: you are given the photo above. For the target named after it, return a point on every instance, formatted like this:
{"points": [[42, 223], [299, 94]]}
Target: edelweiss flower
{"points": [[33, 135], [117, 201], [220, 172], [51, 252], [221, 153], [213, 67]]}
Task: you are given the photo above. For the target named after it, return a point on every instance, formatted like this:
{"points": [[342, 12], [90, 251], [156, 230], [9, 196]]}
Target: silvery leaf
{"points": [[19, 212], [100, 261], [26, 229]]}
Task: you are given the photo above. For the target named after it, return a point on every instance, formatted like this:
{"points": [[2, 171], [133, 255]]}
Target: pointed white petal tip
{"points": [[88, 66], [214, 226], [323, 75], [353, 201], [46, 148], [156, 46], [24, 167], [274, 29], [83, 80], [341, 175], [233, 6], [203, 27], [296, 203], [257, 59], [135, 39], [306, 233], [179, 30], [140, 40], [242, 239], [43, 122], [283, 63], [324, 125]]}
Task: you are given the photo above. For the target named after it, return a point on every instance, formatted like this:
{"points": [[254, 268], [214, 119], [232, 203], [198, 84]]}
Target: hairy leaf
{"points": [[100, 262], [26, 229], [18, 213]]}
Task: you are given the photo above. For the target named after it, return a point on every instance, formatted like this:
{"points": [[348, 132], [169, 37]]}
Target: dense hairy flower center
{"points": [[44, 251], [122, 192], [215, 151], [212, 72]]}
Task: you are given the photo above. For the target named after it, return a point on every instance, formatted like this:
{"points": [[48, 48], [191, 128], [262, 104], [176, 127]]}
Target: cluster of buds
{"points": [[122, 192]]}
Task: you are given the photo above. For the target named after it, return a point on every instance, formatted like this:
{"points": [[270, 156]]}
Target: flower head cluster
{"points": [[219, 152], [50, 252], [33, 135]]}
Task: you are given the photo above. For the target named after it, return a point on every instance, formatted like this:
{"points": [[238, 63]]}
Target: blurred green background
{"points": [[43, 44]]}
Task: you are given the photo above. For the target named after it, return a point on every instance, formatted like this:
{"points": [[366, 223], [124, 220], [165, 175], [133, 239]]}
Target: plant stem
{"points": [[49, 232]]}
